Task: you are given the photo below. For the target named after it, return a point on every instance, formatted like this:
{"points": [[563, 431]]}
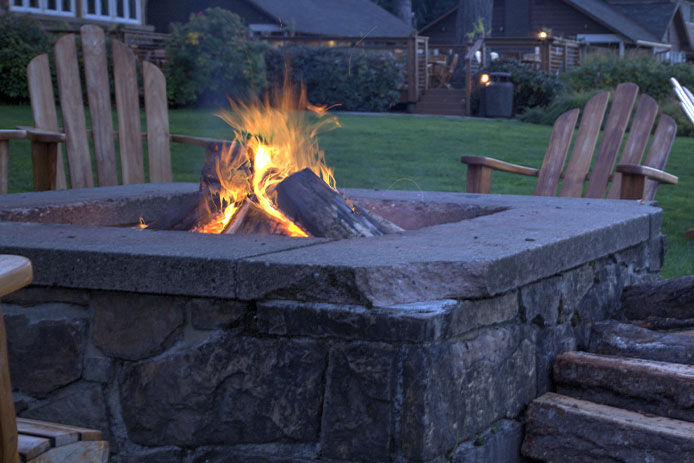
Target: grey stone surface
{"points": [[416, 322], [271, 453], [98, 369], [162, 455], [226, 390], [626, 340], [80, 404], [667, 299], [46, 345], [551, 342], [532, 238], [32, 295], [601, 302], [645, 386], [575, 285], [500, 443], [116, 314], [214, 314], [359, 402], [540, 301], [452, 391], [560, 428]]}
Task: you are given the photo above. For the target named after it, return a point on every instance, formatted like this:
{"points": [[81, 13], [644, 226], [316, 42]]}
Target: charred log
{"points": [[319, 210]]}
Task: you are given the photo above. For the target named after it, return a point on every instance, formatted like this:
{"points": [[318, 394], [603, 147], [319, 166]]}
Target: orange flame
{"points": [[280, 138]]}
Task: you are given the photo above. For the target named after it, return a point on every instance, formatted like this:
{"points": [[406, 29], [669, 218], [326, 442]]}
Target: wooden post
{"points": [[545, 55], [4, 165], [468, 77], [412, 92]]}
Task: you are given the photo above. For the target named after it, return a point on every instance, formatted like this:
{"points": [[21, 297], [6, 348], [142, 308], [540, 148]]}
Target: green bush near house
{"points": [[564, 102], [212, 57], [354, 79], [531, 88], [21, 39]]}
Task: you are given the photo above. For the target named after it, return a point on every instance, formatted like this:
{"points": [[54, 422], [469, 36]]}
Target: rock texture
{"points": [[666, 299], [659, 388], [561, 429]]}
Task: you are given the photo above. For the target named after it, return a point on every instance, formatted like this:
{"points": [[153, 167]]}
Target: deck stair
{"points": [[442, 101], [631, 398]]}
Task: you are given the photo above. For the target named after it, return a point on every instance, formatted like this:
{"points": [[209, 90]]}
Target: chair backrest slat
{"points": [[636, 143], [128, 107], [622, 104], [659, 151], [158, 140], [99, 95], [44, 111], [563, 130], [72, 108], [584, 146]]}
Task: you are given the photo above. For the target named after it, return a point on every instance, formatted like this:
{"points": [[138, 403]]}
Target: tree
{"points": [[474, 17], [403, 10]]}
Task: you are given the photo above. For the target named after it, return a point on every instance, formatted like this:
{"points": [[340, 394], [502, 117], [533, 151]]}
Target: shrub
{"points": [[548, 114], [531, 88], [210, 57], [21, 39], [355, 80]]}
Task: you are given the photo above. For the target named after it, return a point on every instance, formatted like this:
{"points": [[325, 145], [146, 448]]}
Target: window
{"points": [[52, 7], [122, 11]]}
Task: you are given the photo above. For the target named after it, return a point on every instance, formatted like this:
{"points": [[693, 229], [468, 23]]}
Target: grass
{"points": [[416, 153]]}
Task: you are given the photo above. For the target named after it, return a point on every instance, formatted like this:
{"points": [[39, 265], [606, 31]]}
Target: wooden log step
{"points": [[30, 447], [57, 434], [564, 429], [84, 433], [672, 298], [645, 386], [78, 452], [627, 340]]}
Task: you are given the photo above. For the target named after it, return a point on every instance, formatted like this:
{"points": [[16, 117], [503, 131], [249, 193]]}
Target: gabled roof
{"points": [[337, 18], [609, 17], [654, 17]]}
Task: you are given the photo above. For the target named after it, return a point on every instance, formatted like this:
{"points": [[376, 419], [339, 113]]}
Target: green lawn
{"points": [[409, 152]]}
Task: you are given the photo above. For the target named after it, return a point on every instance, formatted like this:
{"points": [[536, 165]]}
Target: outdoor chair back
{"points": [[630, 179]]}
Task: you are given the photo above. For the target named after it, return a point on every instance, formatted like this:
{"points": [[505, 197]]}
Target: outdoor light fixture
{"points": [[485, 79], [542, 35]]}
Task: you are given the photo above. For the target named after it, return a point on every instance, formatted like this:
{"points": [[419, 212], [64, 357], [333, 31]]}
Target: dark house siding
{"points": [[161, 13], [442, 32], [562, 19]]}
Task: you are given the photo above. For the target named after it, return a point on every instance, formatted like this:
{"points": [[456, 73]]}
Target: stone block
{"points": [[551, 342], [666, 299], [33, 295], [645, 386], [500, 443], [540, 302], [560, 428], [98, 369], [575, 285], [160, 455], [360, 402], [216, 314], [46, 344], [226, 390], [456, 389], [135, 326], [80, 404], [268, 453]]}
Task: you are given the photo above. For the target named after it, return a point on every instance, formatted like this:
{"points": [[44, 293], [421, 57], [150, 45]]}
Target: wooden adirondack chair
{"points": [[46, 136], [31, 440], [631, 179]]}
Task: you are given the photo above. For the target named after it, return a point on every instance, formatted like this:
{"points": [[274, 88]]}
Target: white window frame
{"points": [[112, 8], [43, 8]]}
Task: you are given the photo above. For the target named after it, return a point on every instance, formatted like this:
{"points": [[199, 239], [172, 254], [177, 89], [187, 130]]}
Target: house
{"points": [[73, 13], [666, 27], [327, 18]]}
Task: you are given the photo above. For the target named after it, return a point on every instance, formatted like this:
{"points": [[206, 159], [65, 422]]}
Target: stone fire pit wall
{"points": [[422, 346]]}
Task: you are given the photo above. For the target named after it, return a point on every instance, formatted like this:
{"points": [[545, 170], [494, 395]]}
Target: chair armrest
{"points": [[658, 175], [499, 165], [43, 136], [12, 134], [199, 141], [15, 273]]}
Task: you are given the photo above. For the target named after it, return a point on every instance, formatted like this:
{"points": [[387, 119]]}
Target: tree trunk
{"points": [[403, 10], [469, 14]]}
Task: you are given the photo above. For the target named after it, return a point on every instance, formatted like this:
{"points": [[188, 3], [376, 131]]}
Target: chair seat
{"points": [[44, 442]]}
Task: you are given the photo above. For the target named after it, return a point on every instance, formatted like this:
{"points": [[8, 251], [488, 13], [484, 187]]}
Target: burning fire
{"points": [[279, 136]]}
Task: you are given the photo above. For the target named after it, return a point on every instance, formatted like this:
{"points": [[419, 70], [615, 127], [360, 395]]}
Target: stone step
{"points": [[565, 429], [627, 340], [661, 304], [645, 386]]}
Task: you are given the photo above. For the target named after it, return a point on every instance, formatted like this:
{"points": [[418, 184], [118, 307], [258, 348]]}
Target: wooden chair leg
{"points": [[632, 186], [479, 179], [45, 162]]}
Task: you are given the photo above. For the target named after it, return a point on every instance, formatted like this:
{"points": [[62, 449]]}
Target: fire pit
{"points": [[412, 346]]}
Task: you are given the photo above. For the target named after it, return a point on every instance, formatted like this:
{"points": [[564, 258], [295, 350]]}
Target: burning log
{"points": [[319, 210], [254, 221]]}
